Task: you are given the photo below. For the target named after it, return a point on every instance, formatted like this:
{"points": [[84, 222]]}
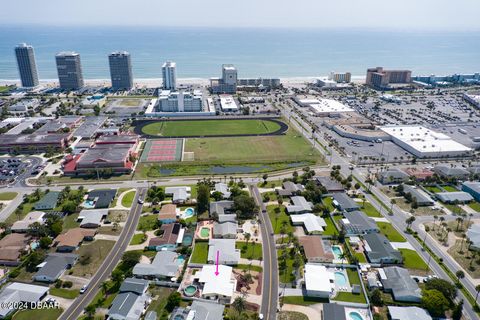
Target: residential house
{"points": [[329, 184], [473, 234], [357, 223], [228, 254], [316, 249], [408, 313], [290, 189], [24, 224], [54, 266], [218, 287], [299, 205], [379, 250], [15, 293], [164, 266], [226, 227], [473, 188], [453, 197], [333, 311], [221, 207], [101, 198], [393, 176], [344, 203], [419, 174], [312, 224], [72, 239], [11, 248], [131, 301], [168, 213], [319, 282], [48, 201], [199, 310], [420, 196], [223, 189], [172, 236], [445, 171], [178, 194], [399, 282], [92, 218]]}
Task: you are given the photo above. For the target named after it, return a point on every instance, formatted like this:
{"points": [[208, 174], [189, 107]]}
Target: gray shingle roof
{"points": [[207, 310], [55, 264], [380, 248], [345, 202], [452, 196], [401, 284], [300, 204], [359, 223], [333, 311], [163, 265], [220, 207], [226, 248], [420, 196]]}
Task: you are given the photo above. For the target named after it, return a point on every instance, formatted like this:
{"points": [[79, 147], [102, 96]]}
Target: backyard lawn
{"points": [[6, 196], [70, 222], [138, 238], [475, 206], [455, 209], [286, 274], [38, 314], [370, 210], [411, 260], [148, 222], [353, 278], [159, 301], [200, 253], [64, 293], [188, 128], [128, 198], [280, 219], [390, 232], [450, 189], [252, 251], [433, 189], [330, 229]]}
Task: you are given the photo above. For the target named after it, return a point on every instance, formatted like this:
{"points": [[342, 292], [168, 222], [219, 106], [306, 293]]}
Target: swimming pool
{"points": [[340, 279], [189, 212], [190, 290], [337, 252], [89, 204], [187, 240], [355, 316], [180, 260], [205, 232]]}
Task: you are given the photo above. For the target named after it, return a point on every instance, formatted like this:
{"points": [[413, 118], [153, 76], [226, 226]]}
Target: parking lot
{"points": [[10, 168]]}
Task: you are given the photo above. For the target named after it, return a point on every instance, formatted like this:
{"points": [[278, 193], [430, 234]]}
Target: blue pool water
{"points": [[355, 316], [180, 260], [188, 212], [89, 204], [337, 252], [187, 240], [340, 279]]}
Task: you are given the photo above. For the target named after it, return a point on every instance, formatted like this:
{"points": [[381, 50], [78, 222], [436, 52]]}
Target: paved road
{"points": [[112, 259], [270, 268]]}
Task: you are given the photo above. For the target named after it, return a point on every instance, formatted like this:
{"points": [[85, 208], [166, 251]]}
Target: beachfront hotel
{"points": [[169, 72], [380, 78], [227, 83], [27, 66], [121, 70], [69, 70]]}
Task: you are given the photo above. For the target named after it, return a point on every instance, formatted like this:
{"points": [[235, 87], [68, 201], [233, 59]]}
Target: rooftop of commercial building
{"points": [[320, 105]]}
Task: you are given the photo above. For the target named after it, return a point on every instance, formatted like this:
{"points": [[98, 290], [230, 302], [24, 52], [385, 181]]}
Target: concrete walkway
{"points": [[150, 234], [377, 219], [313, 312], [402, 245], [100, 236], [119, 205]]}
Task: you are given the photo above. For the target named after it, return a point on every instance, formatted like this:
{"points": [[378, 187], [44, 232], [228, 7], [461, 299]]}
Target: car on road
{"points": [[83, 289], [140, 201]]}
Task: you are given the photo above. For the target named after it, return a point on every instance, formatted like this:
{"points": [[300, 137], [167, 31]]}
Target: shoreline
{"points": [[156, 82]]}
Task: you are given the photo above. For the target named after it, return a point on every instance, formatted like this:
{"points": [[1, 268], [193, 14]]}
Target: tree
{"points": [[217, 195], [435, 302], [239, 304], [244, 206], [173, 301], [69, 207], [131, 258], [203, 198], [34, 259], [447, 288], [45, 242], [457, 311], [376, 298], [117, 277], [155, 195], [104, 287], [477, 288], [265, 177], [90, 311], [409, 222], [460, 275]]}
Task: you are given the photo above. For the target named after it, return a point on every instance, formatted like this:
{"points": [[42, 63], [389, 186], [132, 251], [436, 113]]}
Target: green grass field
{"points": [[189, 128], [450, 189], [64, 293], [291, 147], [390, 232], [412, 260], [5, 196], [200, 253], [38, 314], [370, 210], [280, 219], [128, 199], [252, 251]]}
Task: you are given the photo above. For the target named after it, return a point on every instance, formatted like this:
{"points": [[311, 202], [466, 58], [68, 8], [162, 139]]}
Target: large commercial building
{"points": [[433, 80], [382, 79], [259, 83], [27, 66], [228, 82], [340, 77], [425, 143], [33, 143], [121, 70], [179, 101], [69, 70], [169, 72]]}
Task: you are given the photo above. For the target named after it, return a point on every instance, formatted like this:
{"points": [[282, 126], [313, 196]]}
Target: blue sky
{"points": [[379, 14]]}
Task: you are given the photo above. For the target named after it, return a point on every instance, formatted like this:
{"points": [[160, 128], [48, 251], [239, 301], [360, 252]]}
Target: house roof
{"points": [[31, 217], [450, 172], [227, 218], [221, 284], [378, 247], [399, 281], [329, 183], [311, 222], [223, 189], [178, 193], [73, 237], [345, 202], [225, 228], [20, 292], [313, 247], [11, 246], [55, 264], [92, 216], [207, 310], [318, 278], [168, 211], [164, 264], [300, 204], [333, 311], [169, 236], [134, 285], [393, 174], [219, 207], [408, 313], [473, 185], [473, 233], [418, 194], [357, 222], [452, 196], [48, 201], [103, 197], [112, 153], [226, 249], [130, 302]]}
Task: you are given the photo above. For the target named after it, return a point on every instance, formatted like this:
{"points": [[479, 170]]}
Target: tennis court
{"points": [[162, 150]]}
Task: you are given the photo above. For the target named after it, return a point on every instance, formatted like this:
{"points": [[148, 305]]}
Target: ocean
{"points": [[283, 53]]}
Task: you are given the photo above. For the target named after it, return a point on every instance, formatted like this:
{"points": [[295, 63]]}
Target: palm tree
{"points": [[477, 288], [435, 218], [448, 230], [239, 304], [247, 237], [464, 236], [104, 287], [459, 219], [392, 202], [460, 275]]}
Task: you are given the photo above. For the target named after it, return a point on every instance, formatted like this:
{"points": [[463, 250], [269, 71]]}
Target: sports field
{"points": [[291, 147], [191, 128]]}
